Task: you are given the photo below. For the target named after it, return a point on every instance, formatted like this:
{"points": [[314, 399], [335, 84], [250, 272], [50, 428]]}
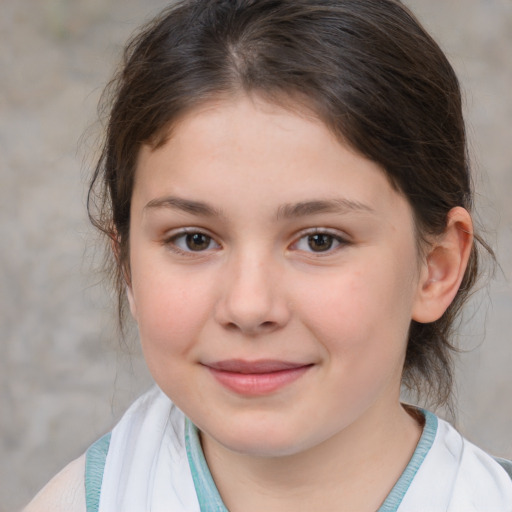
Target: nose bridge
{"points": [[252, 300]]}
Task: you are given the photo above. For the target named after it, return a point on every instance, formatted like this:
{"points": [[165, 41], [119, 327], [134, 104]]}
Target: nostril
{"points": [[268, 326], [263, 327]]}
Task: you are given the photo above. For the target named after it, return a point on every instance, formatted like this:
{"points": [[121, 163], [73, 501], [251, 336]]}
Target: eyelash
{"points": [[172, 241], [333, 238], [336, 241]]}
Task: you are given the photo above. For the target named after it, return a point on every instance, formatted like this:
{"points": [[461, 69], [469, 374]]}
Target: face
{"points": [[274, 274]]}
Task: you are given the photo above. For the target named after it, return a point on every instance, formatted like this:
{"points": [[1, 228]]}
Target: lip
{"points": [[256, 378]]}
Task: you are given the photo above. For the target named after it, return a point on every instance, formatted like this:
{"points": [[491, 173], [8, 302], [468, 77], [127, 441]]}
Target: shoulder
{"points": [[505, 464], [457, 475], [471, 458], [481, 478], [64, 493]]}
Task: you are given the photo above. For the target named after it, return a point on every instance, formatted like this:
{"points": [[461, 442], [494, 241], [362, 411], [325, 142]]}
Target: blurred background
{"points": [[64, 375]]}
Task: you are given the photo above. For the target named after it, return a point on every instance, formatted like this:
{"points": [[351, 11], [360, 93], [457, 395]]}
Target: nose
{"points": [[252, 300]]}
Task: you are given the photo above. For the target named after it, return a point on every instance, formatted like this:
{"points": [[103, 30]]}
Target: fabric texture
{"points": [[425, 443], [154, 462], [94, 468], [207, 493], [505, 464]]}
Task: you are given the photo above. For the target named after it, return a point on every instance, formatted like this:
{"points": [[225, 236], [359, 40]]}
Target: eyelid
{"points": [[342, 238], [319, 230], [169, 240]]}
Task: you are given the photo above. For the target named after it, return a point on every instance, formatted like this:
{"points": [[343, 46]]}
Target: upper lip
{"points": [[259, 366]]}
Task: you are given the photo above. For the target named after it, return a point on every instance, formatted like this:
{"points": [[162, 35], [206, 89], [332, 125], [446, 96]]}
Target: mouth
{"points": [[256, 378]]}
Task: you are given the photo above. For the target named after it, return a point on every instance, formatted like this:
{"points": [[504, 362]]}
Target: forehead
{"points": [[249, 147]]}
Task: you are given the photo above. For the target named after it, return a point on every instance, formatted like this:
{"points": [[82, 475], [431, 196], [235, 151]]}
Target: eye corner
{"points": [[319, 242], [191, 242]]}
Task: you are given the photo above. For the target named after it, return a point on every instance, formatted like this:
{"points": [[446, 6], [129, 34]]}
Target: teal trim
{"points": [[210, 500], [505, 464], [206, 490], [94, 466], [397, 494]]}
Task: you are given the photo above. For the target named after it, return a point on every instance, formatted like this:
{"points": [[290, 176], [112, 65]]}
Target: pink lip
{"points": [[256, 378]]}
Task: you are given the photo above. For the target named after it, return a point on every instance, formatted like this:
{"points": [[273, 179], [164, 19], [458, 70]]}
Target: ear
{"points": [[116, 250], [444, 267], [131, 301]]}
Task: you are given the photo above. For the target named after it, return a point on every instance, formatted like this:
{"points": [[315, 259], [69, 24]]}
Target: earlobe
{"points": [[444, 267], [131, 301], [116, 249]]}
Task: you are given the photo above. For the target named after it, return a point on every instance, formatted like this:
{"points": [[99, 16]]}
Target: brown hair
{"points": [[365, 67]]}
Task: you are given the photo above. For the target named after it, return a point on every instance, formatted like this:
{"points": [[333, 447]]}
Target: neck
{"points": [[357, 468]]}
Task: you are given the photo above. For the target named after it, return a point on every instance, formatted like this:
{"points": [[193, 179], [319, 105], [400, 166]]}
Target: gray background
{"points": [[64, 376]]}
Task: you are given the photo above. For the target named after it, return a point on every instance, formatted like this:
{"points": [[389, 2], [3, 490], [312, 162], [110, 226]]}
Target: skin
{"points": [[64, 493], [254, 182]]}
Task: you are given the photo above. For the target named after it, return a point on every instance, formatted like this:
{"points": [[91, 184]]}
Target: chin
{"points": [[263, 441]]}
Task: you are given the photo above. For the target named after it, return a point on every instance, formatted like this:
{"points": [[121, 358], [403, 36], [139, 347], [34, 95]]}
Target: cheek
{"points": [[364, 311], [363, 339], [170, 312], [170, 319]]}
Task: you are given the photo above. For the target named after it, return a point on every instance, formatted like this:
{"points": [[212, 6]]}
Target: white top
{"points": [[153, 461]]}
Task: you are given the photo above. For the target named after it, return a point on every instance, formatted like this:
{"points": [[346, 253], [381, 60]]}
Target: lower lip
{"points": [[257, 384]]}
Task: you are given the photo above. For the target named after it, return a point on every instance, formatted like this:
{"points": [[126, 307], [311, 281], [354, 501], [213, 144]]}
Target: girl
{"points": [[285, 187]]}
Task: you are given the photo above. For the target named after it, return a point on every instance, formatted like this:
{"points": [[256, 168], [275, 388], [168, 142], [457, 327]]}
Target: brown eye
{"points": [[192, 241], [320, 242], [197, 241]]}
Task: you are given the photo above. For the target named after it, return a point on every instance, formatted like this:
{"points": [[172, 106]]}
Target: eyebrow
{"points": [[305, 208], [185, 205], [286, 211]]}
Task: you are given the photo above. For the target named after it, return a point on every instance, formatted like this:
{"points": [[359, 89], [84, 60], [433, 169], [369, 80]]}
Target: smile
{"points": [[256, 378]]}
